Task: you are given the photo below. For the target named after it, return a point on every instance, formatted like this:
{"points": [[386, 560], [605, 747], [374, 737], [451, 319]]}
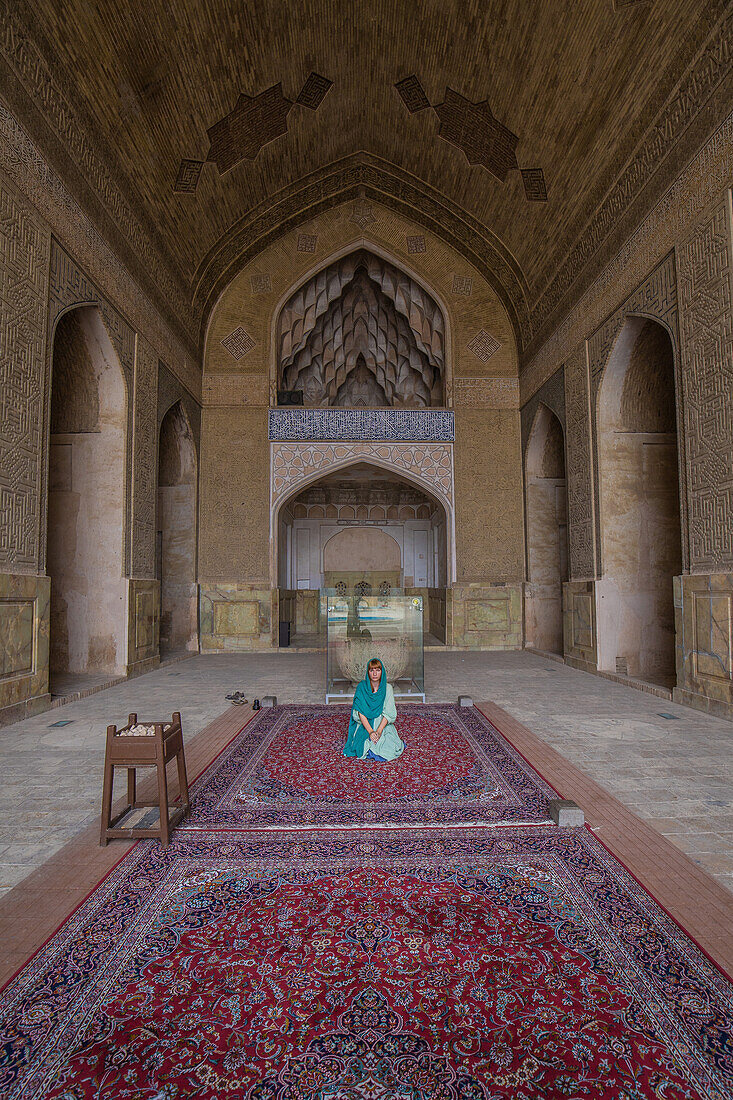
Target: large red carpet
{"points": [[286, 769], [509, 963]]}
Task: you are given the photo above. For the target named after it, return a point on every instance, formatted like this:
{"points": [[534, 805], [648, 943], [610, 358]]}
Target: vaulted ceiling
{"points": [[520, 113]]}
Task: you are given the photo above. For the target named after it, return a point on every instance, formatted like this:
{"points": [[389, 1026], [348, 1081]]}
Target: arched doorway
{"points": [[639, 505], [361, 524], [86, 501], [176, 533], [547, 532]]}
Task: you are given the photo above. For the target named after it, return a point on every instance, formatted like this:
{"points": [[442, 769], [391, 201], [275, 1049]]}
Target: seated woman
{"points": [[372, 734]]}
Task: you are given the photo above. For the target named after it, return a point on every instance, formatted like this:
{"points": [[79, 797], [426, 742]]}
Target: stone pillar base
{"points": [[580, 642], [143, 626], [24, 649], [486, 616], [237, 617], [703, 607]]}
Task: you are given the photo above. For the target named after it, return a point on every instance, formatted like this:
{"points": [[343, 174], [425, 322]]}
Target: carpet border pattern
{"points": [[523, 792], [44, 1009]]}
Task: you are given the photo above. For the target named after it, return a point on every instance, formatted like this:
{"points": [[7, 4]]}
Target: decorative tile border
{"points": [[334, 425]]}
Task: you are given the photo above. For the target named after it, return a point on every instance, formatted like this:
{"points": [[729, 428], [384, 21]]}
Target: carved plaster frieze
{"points": [[296, 464]]}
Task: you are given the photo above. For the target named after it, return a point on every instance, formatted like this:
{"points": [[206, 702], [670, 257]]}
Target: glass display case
{"points": [[359, 627]]}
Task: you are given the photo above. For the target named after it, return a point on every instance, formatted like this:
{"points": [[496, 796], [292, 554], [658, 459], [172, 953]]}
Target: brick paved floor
{"points": [[675, 774]]}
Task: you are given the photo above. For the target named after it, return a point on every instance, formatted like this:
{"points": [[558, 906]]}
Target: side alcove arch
{"points": [[86, 498], [639, 503], [361, 331], [547, 536]]}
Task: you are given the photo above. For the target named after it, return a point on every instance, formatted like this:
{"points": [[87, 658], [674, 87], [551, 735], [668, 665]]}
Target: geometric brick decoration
{"points": [[307, 242], [314, 91], [484, 345], [411, 93], [261, 284], [463, 284], [705, 265], [144, 463], [24, 260], [187, 179], [416, 244], [535, 189], [255, 121], [238, 343], [473, 129], [362, 214]]}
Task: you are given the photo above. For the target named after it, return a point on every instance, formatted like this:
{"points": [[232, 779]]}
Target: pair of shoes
{"points": [[237, 698]]}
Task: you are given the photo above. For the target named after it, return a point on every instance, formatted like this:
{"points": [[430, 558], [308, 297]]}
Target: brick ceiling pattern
{"points": [[204, 112]]}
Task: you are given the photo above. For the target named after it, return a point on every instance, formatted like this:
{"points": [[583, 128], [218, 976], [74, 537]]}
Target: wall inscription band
{"points": [[334, 425]]}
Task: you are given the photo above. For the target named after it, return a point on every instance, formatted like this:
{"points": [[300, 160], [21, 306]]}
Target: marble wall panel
{"points": [[236, 616], [704, 635], [307, 609], [16, 637], [437, 613], [486, 616], [24, 648], [143, 625], [579, 624]]}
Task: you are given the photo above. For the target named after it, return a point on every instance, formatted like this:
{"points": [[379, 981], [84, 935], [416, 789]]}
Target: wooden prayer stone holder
{"points": [[152, 749]]}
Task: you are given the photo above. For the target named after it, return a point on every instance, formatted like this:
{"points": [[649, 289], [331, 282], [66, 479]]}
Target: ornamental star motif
{"points": [[473, 129], [254, 122]]}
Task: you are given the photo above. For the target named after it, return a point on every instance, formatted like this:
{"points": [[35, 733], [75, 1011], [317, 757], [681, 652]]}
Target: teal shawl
{"points": [[370, 704]]}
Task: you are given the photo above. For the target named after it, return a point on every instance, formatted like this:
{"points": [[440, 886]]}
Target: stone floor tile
{"points": [[676, 775]]}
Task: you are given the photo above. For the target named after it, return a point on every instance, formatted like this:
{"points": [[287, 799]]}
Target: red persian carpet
{"points": [[514, 963], [286, 769]]}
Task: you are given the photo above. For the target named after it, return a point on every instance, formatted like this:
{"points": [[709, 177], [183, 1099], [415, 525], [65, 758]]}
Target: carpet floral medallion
{"points": [[286, 769], [515, 963]]}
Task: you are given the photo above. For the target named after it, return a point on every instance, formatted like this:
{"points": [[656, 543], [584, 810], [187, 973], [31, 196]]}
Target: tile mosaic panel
{"points": [[368, 424]]}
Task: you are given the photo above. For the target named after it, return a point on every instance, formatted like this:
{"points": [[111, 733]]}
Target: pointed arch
{"points": [[86, 514], [547, 534], [309, 477], [639, 502]]}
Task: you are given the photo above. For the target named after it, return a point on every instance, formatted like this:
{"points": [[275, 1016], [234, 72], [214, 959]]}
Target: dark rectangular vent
{"points": [[290, 397]]}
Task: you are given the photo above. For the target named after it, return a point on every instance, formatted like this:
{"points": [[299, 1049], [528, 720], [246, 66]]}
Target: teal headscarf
{"points": [[370, 704]]}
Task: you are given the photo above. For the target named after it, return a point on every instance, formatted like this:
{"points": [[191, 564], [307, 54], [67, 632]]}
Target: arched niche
{"points": [[86, 499], [364, 498], [361, 331], [639, 504], [176, 532], [547, 532], [362, 550]]}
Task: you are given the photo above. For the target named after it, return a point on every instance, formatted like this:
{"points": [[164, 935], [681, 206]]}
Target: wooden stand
{"points": [[153, 750]]}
